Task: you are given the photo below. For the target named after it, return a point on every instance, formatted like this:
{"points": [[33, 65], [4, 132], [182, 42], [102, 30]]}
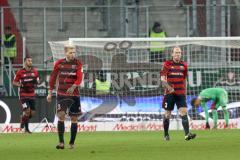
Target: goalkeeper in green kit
{"points": [[219, 97]]}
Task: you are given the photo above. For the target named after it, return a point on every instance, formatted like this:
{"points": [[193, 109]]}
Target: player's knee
{"points": [[214, 111], [74, 119], [183, 114], [183, 111], [61, 115], [225, 110], [167, 115]]}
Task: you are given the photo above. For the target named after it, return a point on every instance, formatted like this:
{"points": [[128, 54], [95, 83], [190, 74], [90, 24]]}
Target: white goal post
{"points": [[130, 67]]}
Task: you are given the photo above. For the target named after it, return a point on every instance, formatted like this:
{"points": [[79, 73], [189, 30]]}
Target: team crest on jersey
{"points": [[181, 67], [32, 74]]}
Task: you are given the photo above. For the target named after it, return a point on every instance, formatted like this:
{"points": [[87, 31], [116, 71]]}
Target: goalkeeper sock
{"points": [[226, 116], [165, 125], [215, 117], [185, 124], [61, 129], [73, 133]]}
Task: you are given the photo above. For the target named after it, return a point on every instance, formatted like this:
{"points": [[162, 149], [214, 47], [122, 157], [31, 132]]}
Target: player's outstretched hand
{"points": [[49, 98], [71, 90]]}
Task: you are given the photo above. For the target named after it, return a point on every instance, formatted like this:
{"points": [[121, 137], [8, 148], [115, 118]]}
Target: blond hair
{"points": [[69, 46]]}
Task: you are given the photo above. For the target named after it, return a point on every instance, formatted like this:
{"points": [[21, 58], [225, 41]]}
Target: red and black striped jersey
{"points": [[176, 74], [29, 80], [68, 73]]}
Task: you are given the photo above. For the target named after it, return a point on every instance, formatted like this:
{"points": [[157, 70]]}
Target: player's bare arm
{"points": [[52, 82], [49, 96], [71, 89], [166, 85], [18, 84]]}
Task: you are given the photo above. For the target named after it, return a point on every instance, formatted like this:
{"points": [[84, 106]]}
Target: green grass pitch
{"points": [[209, 145]]}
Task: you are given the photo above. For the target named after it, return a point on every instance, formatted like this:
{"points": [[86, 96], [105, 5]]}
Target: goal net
{"points": [[122, 80]]}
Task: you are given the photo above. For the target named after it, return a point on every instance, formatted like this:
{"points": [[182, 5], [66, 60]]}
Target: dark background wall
{"points": [[43, 109]]}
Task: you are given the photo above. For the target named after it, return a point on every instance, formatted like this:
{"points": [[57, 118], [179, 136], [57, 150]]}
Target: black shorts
{"points": [[170, 100], [28, 103], [69, 104]]}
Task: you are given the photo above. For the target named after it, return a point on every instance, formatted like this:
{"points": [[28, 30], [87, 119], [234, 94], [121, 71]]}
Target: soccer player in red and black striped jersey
{"points": [[68, 73], [26, 79], [173, 78]]}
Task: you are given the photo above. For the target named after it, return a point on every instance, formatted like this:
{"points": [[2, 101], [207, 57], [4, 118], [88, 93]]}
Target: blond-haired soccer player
{"points": [[68, 74]]}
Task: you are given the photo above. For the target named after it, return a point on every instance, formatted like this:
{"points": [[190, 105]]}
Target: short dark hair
{"points": [[193, 101], [26, 58], [102, 75], [157, 24]]}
